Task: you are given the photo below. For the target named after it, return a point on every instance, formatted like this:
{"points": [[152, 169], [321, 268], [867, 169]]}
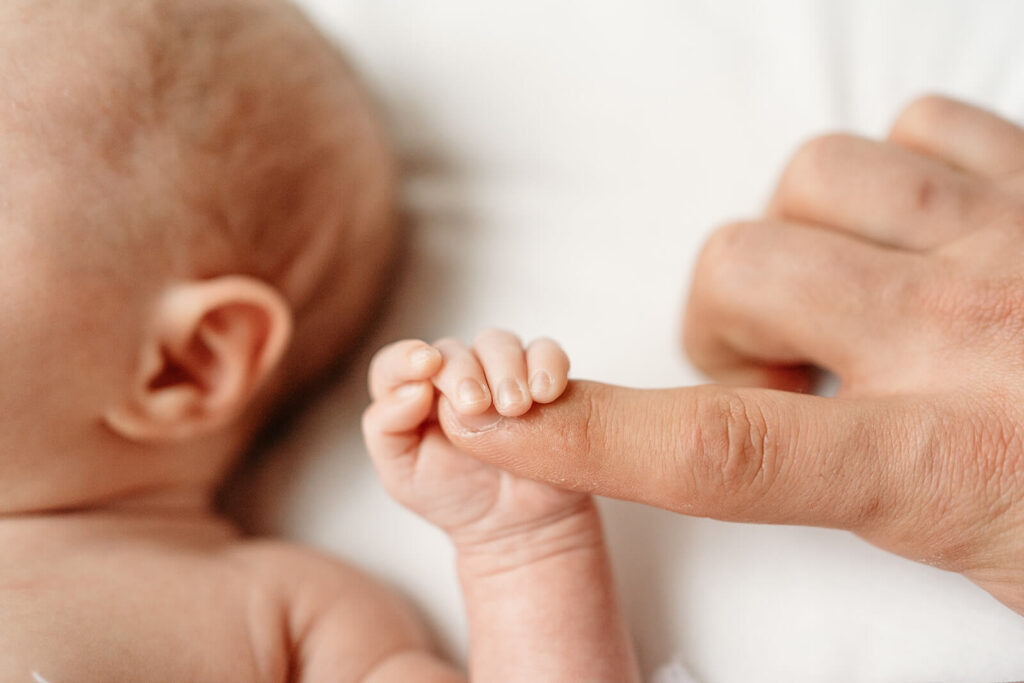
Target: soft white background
{"points": [[566, 158]]}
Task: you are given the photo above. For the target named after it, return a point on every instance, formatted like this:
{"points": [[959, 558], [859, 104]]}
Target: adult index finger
{"points": [[734, 454]]}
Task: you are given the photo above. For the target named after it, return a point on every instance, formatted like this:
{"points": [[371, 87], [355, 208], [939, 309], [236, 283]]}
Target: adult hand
{"points": [[897, 265]]}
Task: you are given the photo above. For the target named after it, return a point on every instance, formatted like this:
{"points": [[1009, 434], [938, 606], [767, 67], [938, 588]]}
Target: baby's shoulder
{"points": [[338, 618]]}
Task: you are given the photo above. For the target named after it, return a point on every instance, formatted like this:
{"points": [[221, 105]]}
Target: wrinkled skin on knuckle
{"points": [[734, 454]]}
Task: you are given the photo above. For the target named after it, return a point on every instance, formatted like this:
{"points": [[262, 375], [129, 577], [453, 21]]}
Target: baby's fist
{"points": [[498, 370], [417, 463]]}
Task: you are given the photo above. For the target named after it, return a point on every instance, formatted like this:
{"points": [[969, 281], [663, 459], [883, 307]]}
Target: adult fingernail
{"points": [[510, 393], [471, 392], [540, 383]]}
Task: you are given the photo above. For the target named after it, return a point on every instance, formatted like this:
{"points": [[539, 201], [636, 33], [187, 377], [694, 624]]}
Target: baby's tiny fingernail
{"points": [[471, 393], [422, 355], [540, 383], [510, 393], [409, 390], [479, 423]]}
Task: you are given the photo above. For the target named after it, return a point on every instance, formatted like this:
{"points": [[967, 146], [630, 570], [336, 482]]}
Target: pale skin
{"points": [[115, 565], [536, 581], [134, 377], [894, 264], [153, 587], [125, 397], [130, 385]]}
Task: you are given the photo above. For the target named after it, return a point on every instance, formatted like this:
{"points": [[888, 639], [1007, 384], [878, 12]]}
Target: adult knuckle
{"points": [[922, 116], [809, 169], [736, 454], [819, 152], [718, 265], [725, 240]]}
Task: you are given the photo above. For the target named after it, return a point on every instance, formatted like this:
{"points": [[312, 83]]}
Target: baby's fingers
{"points": [[391, 425], [504, 363], [548, 369], [405, 361], [461, 378]]}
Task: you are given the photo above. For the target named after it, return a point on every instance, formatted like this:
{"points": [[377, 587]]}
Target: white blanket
{"points": [[566, 158]]}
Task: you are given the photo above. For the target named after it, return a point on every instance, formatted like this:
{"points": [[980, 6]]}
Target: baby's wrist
{"points": [[576, 529]]}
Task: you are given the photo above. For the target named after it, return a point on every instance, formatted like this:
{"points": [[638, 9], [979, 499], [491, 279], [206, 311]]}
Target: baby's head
{"points": [[196, 216]]}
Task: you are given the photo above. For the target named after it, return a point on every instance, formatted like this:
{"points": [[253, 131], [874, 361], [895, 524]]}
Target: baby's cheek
{"points": [[66, 347]]}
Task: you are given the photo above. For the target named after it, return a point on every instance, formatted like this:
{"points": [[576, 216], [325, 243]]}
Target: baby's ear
{"points": [[210, 346]]}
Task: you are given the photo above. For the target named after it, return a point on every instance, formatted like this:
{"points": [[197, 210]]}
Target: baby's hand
{"points": [[472, 501]]}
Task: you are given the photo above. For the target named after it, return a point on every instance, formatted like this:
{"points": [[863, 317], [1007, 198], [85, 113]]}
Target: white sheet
{"points": [[566, 159]]}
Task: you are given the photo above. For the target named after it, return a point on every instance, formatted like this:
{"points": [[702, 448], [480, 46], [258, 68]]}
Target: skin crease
{"points": [[894, 264]]}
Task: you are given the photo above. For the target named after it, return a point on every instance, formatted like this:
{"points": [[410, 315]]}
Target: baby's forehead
{"points": [[70, 77], [117, 83], [237, 109], [77, 81]]}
